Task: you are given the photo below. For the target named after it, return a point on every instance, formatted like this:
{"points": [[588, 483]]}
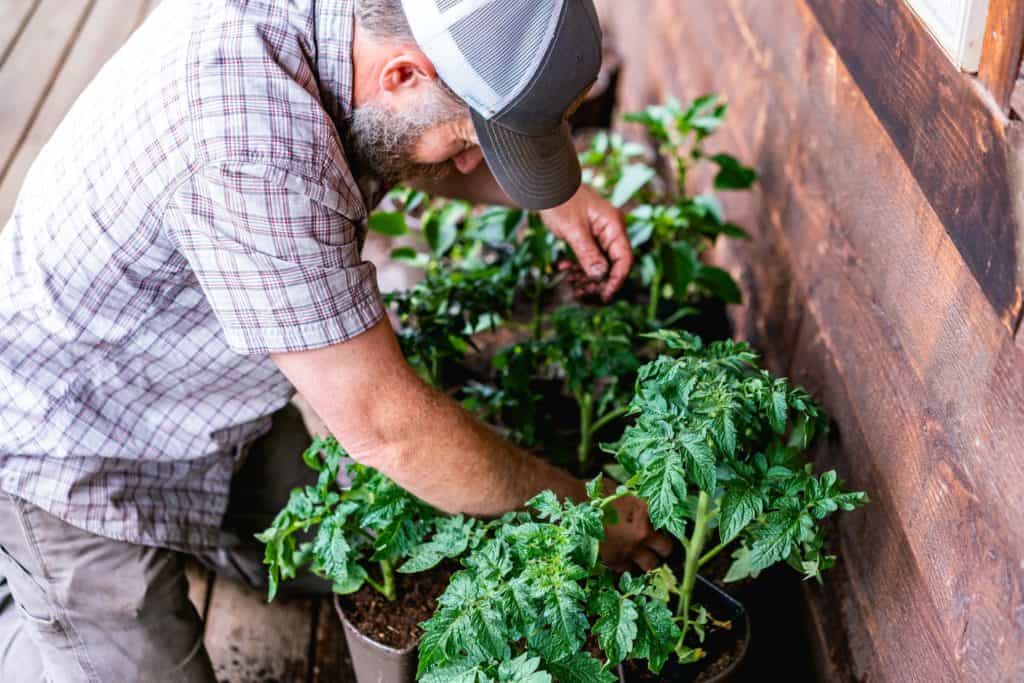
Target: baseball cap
{"points": [[523, 66]]}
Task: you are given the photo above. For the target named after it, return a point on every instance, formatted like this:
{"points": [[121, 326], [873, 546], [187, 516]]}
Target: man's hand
{"points": [[597, 234], [633, 541]]}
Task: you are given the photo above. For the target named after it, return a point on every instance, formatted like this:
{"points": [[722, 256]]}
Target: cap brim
{"points": [[535, 172]]}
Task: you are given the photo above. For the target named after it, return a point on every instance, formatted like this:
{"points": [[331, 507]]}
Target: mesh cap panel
{"points": [[486, 50], [506, 59]]}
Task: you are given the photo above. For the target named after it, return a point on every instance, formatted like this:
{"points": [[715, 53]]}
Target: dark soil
{"points": [[396, 624]]}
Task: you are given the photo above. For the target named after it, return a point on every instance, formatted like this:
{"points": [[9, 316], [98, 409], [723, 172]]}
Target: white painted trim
{"points": [[958, 26]]}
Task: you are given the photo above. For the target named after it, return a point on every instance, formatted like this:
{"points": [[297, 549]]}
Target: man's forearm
{"points": [[388, 418], [448, 458]]}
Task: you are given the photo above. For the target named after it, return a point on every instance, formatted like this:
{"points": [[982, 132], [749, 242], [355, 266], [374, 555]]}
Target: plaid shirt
{"points": [[193, 213]]}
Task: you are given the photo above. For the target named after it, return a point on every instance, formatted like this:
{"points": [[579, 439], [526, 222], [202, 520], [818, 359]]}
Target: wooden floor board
{"points": [[14, 14], [33, 65], [106, 28]]}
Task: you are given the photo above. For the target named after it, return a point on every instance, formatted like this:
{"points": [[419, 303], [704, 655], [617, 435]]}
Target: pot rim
{"points": [[376, 643]]}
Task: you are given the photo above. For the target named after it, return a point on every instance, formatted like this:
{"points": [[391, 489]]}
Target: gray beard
{"points": [[380, 144]]}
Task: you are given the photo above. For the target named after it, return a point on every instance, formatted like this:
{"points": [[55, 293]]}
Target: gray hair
{"points": [[384, 19]]}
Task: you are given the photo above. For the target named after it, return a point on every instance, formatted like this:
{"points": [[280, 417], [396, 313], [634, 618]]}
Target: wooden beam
{"points": [[909, 353], [1002, 49], [14, 14], [105, 30], [948, 135], [30, 69]]}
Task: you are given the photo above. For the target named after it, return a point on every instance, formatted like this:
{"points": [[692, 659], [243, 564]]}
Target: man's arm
{"points": [[389, 419]]}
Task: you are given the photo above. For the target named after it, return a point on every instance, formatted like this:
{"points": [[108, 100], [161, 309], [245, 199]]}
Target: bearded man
{"points": [[185, 255]]}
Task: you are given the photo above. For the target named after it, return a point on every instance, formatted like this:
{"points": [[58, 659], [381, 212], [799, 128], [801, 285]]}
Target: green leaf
{"points": [[709, 205], [523, 669], [580, 668], [657, 635], [681, 266], [616, 626], [633, 179], [700, 461], [779, 413], [741, 567], [389, 223], [720, 283], [739, 508], [663, 487], [566, 620], [732, 175], [547, 506]]}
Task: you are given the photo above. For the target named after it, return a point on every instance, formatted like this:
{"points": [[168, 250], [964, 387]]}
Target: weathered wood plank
{"points": [[913, 358], [952, 140], [14, 14], [333, 664], [29, 71], [105, 30], [250, 640], [1002, 49]]}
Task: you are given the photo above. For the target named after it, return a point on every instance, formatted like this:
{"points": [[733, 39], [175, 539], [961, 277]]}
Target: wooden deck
{"points": [[49, 51]]}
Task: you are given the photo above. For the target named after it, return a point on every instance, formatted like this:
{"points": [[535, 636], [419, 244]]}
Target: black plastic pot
{"points": [[736, 641], [375, 662]]}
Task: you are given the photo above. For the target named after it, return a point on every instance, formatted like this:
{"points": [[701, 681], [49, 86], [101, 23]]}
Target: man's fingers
{"points": [[660, 544], [645, 559], [615, 241], [590, 256]]}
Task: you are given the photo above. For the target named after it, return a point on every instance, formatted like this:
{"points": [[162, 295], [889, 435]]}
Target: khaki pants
{"points": [[79, 607]]}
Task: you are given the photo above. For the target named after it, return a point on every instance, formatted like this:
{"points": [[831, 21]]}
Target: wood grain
{"points": [[108, 25], [14, 14], [948, 134], [30, 69], [333, 664], [1002, 49], [881, 310], [250, 640]]}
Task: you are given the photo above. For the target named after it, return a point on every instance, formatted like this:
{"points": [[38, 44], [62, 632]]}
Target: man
{"points": [[185, 254]]}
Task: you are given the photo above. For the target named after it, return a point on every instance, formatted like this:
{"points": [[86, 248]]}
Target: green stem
{"points": [[387, 586], [709, 555], [586, 402], [608, 417], [655, 296], [693, 554], [435, 370]]}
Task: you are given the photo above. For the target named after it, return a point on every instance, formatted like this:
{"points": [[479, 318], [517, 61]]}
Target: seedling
{"points": [[372, 522], [669, 233], [721, 445], [533, 592], [594, 349]]}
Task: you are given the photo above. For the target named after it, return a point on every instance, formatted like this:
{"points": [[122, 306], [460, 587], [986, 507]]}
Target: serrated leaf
{"points": [[663, 487], [720, 283], [700, 462], [580, 668], [657, 635], [779, 413], [740, 506], [523, 669], [616, 626]]}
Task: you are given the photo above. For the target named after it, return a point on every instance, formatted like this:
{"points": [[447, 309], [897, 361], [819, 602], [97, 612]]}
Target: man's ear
{"points": [[407, 70]]}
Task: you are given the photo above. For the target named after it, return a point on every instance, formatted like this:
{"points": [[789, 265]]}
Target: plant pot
{"points": [[731, 645], [375, 662]]}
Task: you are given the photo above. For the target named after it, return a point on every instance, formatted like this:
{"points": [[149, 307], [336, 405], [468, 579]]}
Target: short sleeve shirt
{"points": [[193, 214]]}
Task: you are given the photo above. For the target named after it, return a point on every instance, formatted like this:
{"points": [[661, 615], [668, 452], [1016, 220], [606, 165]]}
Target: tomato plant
{"points": [[371, 522]]}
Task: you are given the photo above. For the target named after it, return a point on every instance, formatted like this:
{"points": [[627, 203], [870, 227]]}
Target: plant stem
{"points": [[387, 586], [693, 554], [435, 370], [655, 296], [586, 402], [608, 417], [709, 555]]}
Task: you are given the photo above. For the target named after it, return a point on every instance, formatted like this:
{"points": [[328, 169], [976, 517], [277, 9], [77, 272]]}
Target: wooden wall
{"points": [[885, 275]]}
